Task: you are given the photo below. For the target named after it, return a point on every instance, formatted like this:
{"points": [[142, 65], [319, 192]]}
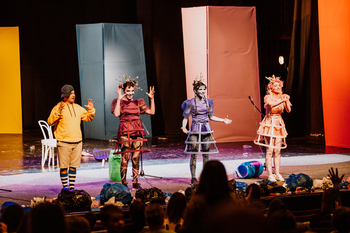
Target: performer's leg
{"points": [[193, 168], [125, 158], [64, 177], [124, 166], [135, 166], [194, 148], [268, 160], [72, 174], [277, 160], [205, 148]]}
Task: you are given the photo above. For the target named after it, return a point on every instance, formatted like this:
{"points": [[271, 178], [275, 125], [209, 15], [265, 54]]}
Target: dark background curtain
{"points": [[304, 79], [49, 53]]}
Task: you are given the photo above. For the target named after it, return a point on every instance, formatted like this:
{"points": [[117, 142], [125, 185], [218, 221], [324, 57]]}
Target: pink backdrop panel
{"points": [[194, 27], [233, 71], [334, 34]]}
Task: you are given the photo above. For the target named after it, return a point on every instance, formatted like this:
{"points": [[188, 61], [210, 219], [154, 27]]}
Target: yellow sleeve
{"points": [[88, 115], [54, 115]]}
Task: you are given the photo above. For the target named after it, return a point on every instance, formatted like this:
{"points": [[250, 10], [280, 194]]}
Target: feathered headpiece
{"points": [[197, 82], [128, 81], [272, 80]]}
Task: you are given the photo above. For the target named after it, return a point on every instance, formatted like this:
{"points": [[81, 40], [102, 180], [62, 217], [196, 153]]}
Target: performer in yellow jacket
{"points": [[66, 118]]}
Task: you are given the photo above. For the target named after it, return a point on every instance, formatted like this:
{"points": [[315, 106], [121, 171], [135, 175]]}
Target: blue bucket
{"points": [[251, 169]]}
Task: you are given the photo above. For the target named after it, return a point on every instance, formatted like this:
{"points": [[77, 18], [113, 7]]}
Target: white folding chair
{"points": [[48, 144]]}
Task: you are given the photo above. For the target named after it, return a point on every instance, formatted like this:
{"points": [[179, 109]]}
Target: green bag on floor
{"points": [[114, 162]]}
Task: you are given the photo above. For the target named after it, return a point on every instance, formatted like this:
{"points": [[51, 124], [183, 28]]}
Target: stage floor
{"points": [[21, 171]]}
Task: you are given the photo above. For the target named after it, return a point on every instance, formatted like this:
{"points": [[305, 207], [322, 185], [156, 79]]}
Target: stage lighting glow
{"points": [[281, 60]]}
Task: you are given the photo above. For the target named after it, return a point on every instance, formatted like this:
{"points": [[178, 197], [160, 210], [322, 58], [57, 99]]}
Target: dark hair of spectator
{"points": [[176, 206], [213, 183]]}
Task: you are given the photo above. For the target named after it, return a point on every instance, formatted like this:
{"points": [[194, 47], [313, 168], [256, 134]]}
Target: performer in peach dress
{"points": [[272, 132]]}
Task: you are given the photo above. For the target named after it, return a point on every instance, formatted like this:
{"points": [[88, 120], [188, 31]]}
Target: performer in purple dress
{"points": [[200, 138], [131, 133]]}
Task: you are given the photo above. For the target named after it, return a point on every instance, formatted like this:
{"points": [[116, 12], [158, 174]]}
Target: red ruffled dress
{"points": [[130, 123]]}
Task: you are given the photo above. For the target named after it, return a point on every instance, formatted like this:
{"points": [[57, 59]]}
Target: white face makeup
{"points": [[201, 92], [129, 92], [276, 87]]}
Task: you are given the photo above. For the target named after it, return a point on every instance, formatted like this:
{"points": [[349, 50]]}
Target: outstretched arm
{"points": [[184, 125], [226, 120], [152, 108]]}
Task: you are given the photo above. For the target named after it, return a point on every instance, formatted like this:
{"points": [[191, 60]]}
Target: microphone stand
{"points": [[251, 100]]}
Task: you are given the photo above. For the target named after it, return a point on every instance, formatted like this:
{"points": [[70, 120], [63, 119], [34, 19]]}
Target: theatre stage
{"points": [[21, 172]]}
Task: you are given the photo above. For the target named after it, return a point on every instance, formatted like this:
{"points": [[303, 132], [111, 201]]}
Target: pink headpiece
{"points": [[272, 80], [128, 80]]}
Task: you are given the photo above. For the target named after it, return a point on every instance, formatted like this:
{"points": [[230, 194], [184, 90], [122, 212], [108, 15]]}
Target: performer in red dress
{"points": [[272, 132], [131, 133]]}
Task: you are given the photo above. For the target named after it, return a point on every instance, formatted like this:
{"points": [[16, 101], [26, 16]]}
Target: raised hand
{"points": [[90, 104], [151, 92], [60, 110], [335, 177], [119, 92]]}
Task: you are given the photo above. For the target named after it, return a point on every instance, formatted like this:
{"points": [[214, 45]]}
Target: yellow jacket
{"points": [[67, 128]]}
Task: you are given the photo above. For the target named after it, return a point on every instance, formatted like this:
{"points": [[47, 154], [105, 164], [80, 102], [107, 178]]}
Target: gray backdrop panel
{"points": [[106, 52]]}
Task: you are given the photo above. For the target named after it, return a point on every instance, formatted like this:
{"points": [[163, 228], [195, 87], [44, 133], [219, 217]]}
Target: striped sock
{"points": [[64, 178], [72, 175]]}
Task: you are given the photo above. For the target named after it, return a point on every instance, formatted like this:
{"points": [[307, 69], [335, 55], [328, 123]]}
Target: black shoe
{"points": [[194, 181], [136, 186], [125, 184]]}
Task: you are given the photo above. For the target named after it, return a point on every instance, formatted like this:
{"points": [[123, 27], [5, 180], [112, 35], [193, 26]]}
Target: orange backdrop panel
{"points": [[10, 75], [233, 71], [334, 25], [221, 43]]}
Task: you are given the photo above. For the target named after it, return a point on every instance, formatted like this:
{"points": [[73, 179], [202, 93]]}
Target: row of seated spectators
{"points": [[214, 207]]}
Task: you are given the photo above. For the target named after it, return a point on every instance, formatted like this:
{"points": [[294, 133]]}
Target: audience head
{"points": [[137, 213], [112, 218], [282, 221], [233, 218], [12, 217], [176, 206], [91, 219], [155, 217], [47, 217], [341, 219], [276, 205], [213, 183], [253, 192], [78, 224]]}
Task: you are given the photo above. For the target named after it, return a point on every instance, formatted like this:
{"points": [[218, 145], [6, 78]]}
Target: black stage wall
{"points": [[49, 50]]}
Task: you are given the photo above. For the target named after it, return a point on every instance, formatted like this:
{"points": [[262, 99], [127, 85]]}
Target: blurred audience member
{"points": [[12, 217], [282, 221], [112, 218], [155, 218], [137, 215], [276, 205], [78, 224], [341, 220], [91, 218], [174, 211], [43, 218], [252, 197], [211, 196]]}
